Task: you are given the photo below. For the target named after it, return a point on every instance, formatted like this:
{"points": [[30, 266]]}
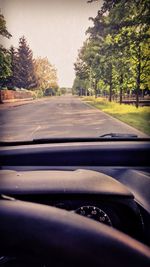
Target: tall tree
{"points": [[127, 23], [131, 20], [12, 80], [5, 66], [46, 74], [3, 29], [25, 77]]}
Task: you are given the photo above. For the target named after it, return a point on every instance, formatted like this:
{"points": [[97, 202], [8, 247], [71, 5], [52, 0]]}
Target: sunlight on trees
{"points": [[114, 60], [18, 68], [46, 75]]}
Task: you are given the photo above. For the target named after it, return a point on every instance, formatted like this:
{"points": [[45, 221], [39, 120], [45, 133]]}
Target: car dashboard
{"points": [[85, 192], [83, 180]]}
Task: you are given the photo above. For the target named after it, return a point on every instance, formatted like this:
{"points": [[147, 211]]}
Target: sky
{"points": [[53, 28]]}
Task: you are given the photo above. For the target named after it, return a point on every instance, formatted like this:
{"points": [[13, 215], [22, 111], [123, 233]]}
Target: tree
{"points": [[80, 86], [5, 66], [46, 74], [131, 20], [81, 66], [3, 29], [12, 79], [82, 74], [87, 66], [25, 76], [126, 23], [63, 90]]}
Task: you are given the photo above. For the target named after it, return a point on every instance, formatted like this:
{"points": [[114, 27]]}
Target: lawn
{"points": [[139, 118]]}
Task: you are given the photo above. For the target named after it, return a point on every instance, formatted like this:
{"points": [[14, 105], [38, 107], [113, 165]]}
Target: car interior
{"points": [[74, 133], [81, 203]]}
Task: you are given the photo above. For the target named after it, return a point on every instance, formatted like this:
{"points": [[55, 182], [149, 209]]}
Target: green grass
{"points": [[138, 118]]}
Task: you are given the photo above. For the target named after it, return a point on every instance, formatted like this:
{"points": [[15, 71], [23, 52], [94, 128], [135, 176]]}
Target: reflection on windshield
{"points": [[65, 75]]}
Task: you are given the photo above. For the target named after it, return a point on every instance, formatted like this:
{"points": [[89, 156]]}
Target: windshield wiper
{"points": [[119, 135]]}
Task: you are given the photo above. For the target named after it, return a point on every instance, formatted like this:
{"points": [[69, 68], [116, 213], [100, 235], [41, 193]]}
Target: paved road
{"points": [[64, 116]]}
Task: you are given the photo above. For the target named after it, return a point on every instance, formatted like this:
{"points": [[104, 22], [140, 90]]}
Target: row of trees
{"points": [[19, 69], [115, 57]]}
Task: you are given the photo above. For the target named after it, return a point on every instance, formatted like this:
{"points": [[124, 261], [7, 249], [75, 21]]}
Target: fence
{"points": [[11, 95]]}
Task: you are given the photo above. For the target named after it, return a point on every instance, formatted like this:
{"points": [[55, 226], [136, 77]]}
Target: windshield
{"points": [[74, 68]]}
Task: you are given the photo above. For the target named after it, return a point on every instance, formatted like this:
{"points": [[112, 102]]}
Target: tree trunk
{"points": [[143, 94], [95, 88], [121, 82], [110, 92], [110, 85], [138, 80]]}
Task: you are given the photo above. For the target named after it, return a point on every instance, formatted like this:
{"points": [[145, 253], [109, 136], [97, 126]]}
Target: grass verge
{"points": [[138, 118]]}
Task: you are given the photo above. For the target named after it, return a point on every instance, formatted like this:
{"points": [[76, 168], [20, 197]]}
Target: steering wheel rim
{"points": [[60, 238]]}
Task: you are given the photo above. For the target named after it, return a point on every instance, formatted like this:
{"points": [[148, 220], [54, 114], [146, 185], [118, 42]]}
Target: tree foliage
{"points": [[25, 76], [3, 29], [11, 81], [117, 52], [19, 69], [5, 61], [46, 75]]}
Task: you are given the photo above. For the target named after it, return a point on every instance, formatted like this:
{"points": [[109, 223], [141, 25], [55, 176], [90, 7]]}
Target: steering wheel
{"points": [[56, 237]]}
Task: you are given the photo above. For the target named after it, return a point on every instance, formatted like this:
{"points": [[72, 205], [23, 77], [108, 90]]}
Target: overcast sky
{"points": [[53, 29]]}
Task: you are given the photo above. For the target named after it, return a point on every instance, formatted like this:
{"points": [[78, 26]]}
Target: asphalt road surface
{"points": [[62, 116]]}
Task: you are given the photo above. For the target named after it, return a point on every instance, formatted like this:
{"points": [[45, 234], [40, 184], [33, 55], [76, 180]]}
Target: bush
{"points": [[37, 93]]}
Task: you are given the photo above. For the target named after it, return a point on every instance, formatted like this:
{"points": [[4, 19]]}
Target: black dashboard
{"points": [[104, 153], [89, 193], [105, 182]]}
